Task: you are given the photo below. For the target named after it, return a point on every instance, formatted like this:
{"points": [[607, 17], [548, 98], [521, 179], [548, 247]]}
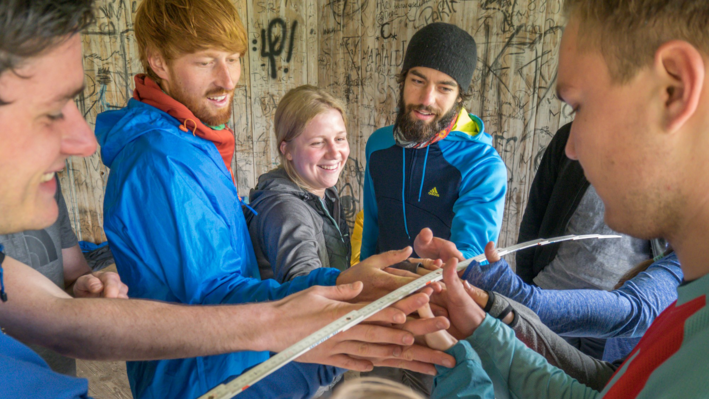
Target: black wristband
{"points": [[490, 301]]}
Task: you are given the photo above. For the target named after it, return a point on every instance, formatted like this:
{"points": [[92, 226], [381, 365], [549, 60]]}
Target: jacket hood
{"points": [[469, 127]]}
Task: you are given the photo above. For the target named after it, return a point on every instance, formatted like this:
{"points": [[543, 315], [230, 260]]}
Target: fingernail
{"points": [[397, 351], [408, 340], [466, 284], [440, 325], [448, 363], [399, 318]]}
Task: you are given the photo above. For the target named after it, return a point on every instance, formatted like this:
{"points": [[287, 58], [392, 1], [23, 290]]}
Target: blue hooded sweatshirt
{"points": [[456, 187], [175, 226]]}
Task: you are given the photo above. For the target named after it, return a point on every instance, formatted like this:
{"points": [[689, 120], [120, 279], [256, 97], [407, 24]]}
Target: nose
{"points": [[227, 76], [77, 137], [571, 145], [428, 95]]}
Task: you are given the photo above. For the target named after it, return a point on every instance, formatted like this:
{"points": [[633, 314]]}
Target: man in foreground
{"points": [[40, 74], [635, 74]]}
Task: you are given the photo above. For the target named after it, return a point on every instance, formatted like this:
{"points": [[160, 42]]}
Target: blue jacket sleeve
{"points": [[626, 312], [173, 241], [517, 371], [479, 208]]}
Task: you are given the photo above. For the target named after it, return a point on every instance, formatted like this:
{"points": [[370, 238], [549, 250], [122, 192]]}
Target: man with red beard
{"points": [[172, 214], [436, 167]]}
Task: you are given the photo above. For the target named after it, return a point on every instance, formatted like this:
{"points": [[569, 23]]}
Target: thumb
{"points": [[424, 238], [343, 292], [450, 277], [491, 252], [94, 285]]}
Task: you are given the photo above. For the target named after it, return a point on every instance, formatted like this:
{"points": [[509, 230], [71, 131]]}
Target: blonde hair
{"points": [[177, 27], [374, 388], [295, 110], [629, 32]]}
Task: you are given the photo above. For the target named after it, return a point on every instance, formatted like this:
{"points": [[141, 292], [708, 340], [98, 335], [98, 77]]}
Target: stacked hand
{"points": [[100, 285]]}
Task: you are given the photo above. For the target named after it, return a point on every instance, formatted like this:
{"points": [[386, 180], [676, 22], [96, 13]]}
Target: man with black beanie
{"points": [[435, 167]]}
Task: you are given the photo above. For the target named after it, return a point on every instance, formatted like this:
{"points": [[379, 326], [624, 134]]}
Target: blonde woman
{"points": [[298, 224]]}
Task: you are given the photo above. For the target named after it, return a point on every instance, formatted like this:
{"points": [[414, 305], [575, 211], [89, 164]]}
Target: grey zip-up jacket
{"points": [[295, 231]]}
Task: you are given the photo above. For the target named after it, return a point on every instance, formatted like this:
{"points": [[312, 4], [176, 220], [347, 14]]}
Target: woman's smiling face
{"points": [[319, 153]]}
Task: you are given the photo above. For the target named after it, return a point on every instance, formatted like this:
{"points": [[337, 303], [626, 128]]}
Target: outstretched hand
{"points": [[464, 313], [428, 246], [377, 282]]}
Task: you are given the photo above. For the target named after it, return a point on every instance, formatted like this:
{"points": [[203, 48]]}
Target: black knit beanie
{"points": [[446, 48]]}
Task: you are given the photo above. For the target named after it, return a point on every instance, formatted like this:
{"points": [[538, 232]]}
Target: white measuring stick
{"points": [[256, 374]]}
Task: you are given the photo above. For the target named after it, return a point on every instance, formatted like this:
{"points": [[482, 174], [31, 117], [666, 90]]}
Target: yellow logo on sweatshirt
{"points": [[434, 192]]}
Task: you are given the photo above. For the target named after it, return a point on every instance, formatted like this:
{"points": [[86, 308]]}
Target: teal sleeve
{"points": [[466, 380], [517, 371]]}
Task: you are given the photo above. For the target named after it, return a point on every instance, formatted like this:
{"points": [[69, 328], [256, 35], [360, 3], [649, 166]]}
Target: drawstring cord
{"points": [[246, 205], [403, 190], [3, 295], [184, 127], [425, 161]]}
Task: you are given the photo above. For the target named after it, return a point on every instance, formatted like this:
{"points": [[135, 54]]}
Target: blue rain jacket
{"points": [[175, 226], [456, 187]]}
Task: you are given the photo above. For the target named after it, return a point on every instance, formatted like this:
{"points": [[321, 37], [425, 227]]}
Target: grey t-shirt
{"points": [[592, 264], [42, 250]]}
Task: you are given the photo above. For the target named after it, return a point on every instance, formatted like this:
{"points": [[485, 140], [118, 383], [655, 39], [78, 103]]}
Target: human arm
{"points": [[479, 207], [515, 370], [39, 312], [626, 312], [284, 231]]}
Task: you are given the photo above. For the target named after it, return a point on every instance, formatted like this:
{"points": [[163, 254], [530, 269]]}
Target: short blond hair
{"points": [[374, 388], [176, 27], [629, 32], [298, 107]]}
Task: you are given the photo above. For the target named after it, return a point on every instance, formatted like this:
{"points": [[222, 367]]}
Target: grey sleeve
{"points": [[66, 233], [529, 329], [288, 237]]}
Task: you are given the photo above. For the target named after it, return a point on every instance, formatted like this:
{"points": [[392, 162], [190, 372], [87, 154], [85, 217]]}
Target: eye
{"points": [[55, 117], [446, 89], [314, 143]]}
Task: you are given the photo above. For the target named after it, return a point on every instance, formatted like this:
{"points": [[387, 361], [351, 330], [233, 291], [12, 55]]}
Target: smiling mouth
{"points": [[329, 167], [47, 177]]}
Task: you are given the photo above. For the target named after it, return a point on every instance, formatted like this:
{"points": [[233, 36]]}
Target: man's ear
{"points": [[158, 64], [682, 67]]}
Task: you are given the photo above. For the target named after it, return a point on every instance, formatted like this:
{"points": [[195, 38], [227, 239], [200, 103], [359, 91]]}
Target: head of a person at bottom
{"points": [[310, 126], [634, 72], [40, 74], [193, 49], [434, 80]]}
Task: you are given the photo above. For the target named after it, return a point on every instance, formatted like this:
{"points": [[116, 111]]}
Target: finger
{"points": [[389, 258], [418, 367], [438, 310], [424, 238], [124, 292], [425, 312], [93, 284], [491, 252], [371, 333], [368, 350], [411, 303], [479, 296], [418, 353], [426, 326], [400, 272], [451, 280], [342, 292], [111, 285], [347, 362]]}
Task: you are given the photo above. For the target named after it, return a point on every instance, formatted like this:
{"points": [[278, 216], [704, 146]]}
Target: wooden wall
{"points": [[354, 48]]}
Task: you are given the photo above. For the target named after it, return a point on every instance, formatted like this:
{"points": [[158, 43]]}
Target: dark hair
{"points": [[30, 27], [464, 96]]}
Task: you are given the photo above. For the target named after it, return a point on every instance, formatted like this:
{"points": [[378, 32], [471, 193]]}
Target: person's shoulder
{"points": [[381, 138]]}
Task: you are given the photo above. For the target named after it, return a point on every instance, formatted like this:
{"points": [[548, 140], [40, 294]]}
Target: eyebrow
{"points": [[69, 96], [442, 82]]}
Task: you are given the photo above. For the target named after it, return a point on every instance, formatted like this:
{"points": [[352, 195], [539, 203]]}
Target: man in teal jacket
{"points": [[436, 167], [171, 211]]}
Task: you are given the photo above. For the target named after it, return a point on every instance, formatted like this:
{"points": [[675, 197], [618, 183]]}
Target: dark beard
{"points": [[418, 131]]}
